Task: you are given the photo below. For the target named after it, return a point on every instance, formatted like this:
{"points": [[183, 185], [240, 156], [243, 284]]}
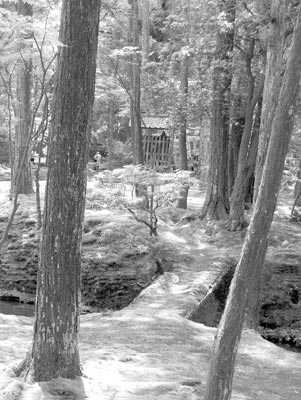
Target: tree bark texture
{"points": [[55, 343], [297, 188], [254, 301], [235, 135], [237, 203], [252, 154], [219, 384], [273, 70], [183, 114], [111, 130], [145, 42], [135, 88], [184, 75], [216, 205], [22, 164]]}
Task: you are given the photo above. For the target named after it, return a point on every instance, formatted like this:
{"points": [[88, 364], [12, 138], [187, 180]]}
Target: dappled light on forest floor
{"points": [[149, 350], [175, 239]]}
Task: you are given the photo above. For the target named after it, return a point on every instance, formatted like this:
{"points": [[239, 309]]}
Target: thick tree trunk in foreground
{"points": [[55, 342], [216, 204], [254, 302], [273, 70], [219, 384], [22, 164]]}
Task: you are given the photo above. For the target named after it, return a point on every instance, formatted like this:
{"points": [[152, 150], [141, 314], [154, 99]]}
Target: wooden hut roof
{"points": [[156, 122]]}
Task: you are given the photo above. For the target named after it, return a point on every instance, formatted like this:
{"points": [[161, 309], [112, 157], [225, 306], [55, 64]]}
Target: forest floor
{"points": [[150, 350]]}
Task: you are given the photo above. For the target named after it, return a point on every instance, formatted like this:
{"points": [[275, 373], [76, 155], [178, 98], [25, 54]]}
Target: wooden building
{"points": [[157, 143]]}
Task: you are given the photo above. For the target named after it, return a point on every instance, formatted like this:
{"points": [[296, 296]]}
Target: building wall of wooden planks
{"points": [[158, 151]]}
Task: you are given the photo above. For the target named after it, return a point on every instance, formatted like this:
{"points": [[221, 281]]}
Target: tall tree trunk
{"points": [[216, 204], [23, 116], [55, 343], [184, 71], [235, 135], [219, 384], [237, 203], [135, 88], [145, 31], [274, 65], [252, 154], [111, 130], [297, 188], [183, 115]]}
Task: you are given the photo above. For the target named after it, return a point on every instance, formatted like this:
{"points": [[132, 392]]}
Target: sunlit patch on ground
{"points": [[149, 350], [174, 238]]}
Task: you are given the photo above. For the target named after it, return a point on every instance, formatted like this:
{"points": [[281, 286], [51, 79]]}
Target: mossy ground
{"points": [[149, 350]]}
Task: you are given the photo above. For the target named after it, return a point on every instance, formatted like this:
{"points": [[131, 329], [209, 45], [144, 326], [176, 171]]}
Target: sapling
{"points": [[145, 209]]}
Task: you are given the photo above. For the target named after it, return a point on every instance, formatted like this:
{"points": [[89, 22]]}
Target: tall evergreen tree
{"points": [[219, 384], [277, 15], [254, 90], [22, 164], [55, 342], [216, 204], [135, 89]]}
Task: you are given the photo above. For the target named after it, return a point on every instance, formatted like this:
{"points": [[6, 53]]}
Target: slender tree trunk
{"points": [[254, 300], [23, 116], [216, 204], [237, 203], [251, 164], [183, 115], [273, 70], [297, 188], [235, 135], [237, 121], [252, 154], [55, 343], [184, 73], [111, 130], [8, 89], [135, 84], [145, 31], [44, 126], [219, 384]]}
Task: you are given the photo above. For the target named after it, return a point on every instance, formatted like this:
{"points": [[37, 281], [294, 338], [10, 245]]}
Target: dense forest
{"points": [[135, 107]]}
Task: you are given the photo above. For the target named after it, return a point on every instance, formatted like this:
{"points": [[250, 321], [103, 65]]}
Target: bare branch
{"points": [[125, 88], [247, 8], [138, 219]]}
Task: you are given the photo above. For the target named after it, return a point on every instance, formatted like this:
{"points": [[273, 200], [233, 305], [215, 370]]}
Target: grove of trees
{"points": [[225, 72]]}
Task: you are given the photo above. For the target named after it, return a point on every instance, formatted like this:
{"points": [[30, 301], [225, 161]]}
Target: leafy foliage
{"points": [[140, 190]]}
